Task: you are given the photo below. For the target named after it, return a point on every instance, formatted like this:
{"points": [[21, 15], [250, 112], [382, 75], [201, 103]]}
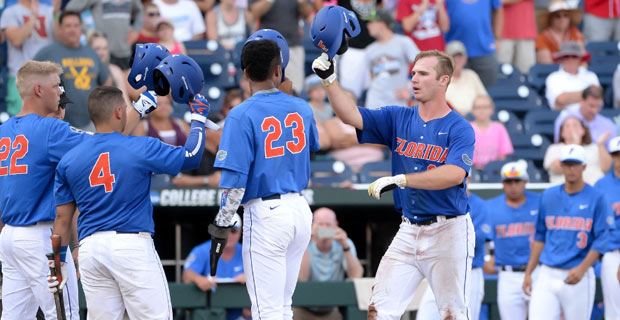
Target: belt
{"points": [[430, 221], [513, 268], [274, 197], [127, 232]]}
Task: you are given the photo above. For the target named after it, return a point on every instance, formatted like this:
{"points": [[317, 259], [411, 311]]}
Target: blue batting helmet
{"points": [[179, 75], [145, 59], [331, 27], [273, 35]]}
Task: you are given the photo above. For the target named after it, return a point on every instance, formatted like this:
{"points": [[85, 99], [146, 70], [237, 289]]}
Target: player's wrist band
{"points": [[198, 117]]}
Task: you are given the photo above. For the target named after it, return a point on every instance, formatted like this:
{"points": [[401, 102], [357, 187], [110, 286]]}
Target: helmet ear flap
{"points": [[161, 84], [344, 45]]}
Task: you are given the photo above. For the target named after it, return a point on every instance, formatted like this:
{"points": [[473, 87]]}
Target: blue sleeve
{"points": [[194, 146], [233, 179], [461, 146], [314, 136], [378, 126], [603, 223], [159, 157], [541, 227], [197, 261], [496, 4], [61, 138], [236, 150], [62, 192]]}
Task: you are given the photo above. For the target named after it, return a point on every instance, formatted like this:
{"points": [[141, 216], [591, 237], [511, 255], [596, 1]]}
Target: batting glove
{"points": [[53, 285], [218, 242], [199, 106], [146, 103], [325, 69], [385, 184]]}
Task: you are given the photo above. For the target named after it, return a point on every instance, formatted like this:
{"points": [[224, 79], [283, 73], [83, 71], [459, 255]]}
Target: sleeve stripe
{"points": [[199, 145]]}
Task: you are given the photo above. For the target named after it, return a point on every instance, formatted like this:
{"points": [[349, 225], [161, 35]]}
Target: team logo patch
{"points": [[221, 155], [466, 159], [486, 228], [610, 221]]}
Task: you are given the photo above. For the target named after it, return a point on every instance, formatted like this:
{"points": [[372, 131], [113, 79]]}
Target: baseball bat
{"points": [[55, 270]]}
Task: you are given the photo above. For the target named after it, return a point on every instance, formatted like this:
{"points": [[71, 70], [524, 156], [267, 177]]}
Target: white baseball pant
{"points": [[275, 235], [441, 252], [428, 306], [24, 274], [511, 300], [122, 272], [611, 284], [551, 297]]}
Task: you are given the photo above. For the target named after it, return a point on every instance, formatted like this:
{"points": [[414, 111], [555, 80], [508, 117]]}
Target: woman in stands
{"points": [[228, 24], [559, 25], [99, 43]]}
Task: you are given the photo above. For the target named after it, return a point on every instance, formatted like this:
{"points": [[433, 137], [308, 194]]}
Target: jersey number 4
{"points": [[101, 175], [274, 128], [19, 145]]}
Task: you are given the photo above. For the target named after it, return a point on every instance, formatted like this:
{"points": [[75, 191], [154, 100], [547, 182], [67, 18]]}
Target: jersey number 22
{"points": [[19, 145], [274, 128], [101, 174]]}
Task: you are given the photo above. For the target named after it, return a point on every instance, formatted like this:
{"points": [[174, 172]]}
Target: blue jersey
{"points": [[418, 146], [570, 225], [479, 216], [512, 229], [199, 261], [30, 148], [268, 138], [609, 185], [109, 178]]}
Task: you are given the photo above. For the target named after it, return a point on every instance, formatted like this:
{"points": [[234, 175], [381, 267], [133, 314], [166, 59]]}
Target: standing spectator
{"points": [[516, 44], [27, 26], [119, 20], [148, 34], [331, 256], [492, 140], [228, 24], [601, 20], [424, 21], [588, 111], [565, 86], [470, 23], [165, 33], [99, 43], [284, 16], [186, 18], [83, 70], [559, 24], [388, 60], [465, 85]]}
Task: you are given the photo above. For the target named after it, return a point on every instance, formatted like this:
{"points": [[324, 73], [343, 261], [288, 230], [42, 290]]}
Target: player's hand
{"points": [[146, 103], [325, 69], [199, 106], [574, 275], [219, 235], [205, 283], [527, 284], [286, 86], [52, 282], [385, 184]]}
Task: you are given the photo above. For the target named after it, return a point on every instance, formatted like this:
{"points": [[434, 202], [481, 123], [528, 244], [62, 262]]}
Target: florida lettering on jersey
{"points": [[515, 229], [422, 151]]}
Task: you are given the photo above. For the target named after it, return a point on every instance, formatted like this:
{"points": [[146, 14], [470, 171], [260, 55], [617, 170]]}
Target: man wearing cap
{"points": [[512, 227], [564, 87], [610, 271], [571, 232], [465, 85]]}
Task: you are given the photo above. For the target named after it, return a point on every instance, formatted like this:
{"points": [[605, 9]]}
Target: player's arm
{"points": [[194, 145], [304, 270], [63, 226], [537, 248]]}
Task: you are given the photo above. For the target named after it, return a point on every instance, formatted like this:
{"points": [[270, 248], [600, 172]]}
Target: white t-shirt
{"points": [[560, 81], [463, 91], [185, 16]]}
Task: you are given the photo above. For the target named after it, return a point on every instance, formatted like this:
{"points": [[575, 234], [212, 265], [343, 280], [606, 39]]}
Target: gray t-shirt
{"points": [[16, 16], [330, 266], [389, 70], [283, 16], [83, 71]]}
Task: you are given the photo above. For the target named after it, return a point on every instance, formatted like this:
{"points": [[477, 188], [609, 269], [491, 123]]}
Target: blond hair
{"points": [[31, 71], [445, 64]]}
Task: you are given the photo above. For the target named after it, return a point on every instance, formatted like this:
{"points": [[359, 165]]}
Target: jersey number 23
{"points": [[273, 127]]}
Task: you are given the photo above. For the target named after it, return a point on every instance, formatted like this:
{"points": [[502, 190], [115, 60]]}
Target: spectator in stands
{"points": [[228, 24], [284, 16], [204, 5], [601, 21], [424, 21], [119, 20], [616, 87], [99, 43], [321, 109], [165, 33], [465, 85], [492, 140], [388, 60], [588, 111], [27, 26], [574, 131], [517, 42], [197, 268], [186, 18], [83, 70], [331, 256], [148, 34], [470, 23], [559, 25], [232, 98], [564, 87]]}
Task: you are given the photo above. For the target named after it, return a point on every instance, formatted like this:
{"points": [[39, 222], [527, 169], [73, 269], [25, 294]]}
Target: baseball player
{"points": [[513, 224], [570, 234], [264, 155], [108, 178], [31, 145], [610, 270]]}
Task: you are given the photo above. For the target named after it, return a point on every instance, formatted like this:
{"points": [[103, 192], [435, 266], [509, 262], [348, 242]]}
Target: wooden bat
{"points": [[55, 271]]}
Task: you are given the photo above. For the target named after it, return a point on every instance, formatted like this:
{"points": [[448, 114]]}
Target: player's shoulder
{"points": [[532, 196]]}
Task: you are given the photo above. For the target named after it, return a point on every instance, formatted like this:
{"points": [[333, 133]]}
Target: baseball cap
{"points": [[64, 99], [516, 170], [613, 145], [455, 47], [383, 16], [312, 81], [573, 153]]}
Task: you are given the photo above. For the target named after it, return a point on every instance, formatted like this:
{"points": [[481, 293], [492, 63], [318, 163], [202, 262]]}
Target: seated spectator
{"points": [[197, 268], [316, 97], [616, 87], [574, 131], [564, 87], [424, 21], [331, 256], [228, 24], [165, 33], [492, 140], [148, 33], [559, 25], [99, 43], [465, 85], [588, 112], [185, 15]]}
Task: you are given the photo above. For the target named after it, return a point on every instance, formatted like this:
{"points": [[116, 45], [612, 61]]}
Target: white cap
{"points": [[515, 171], [573, 153], [235, 223], [614, 145]]}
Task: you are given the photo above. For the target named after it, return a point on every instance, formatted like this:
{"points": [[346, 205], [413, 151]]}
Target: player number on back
{"points": [[19, 146], [101, 175], [274, 128]]}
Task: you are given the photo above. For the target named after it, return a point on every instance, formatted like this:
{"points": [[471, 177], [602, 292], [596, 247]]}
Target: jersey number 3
{"points": [[19, 145], [101, 175], [274, 127]]}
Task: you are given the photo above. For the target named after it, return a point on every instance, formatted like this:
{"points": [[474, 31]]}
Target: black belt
{"points": [[127, 232], [274, 197], [430, 221], [513, 268]]}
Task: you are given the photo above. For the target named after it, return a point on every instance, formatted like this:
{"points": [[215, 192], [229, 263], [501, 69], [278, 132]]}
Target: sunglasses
{"points": [[153, 14], [571, 57], [562, 14]]}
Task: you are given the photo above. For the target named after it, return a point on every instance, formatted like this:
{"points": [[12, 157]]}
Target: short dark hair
{"points": [[102, 101], [260, 58], [593, 91], [68, 13]]}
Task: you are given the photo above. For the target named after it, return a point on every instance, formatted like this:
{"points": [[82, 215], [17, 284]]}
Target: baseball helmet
{"points": [[179, 75], [273, 35], [146, 57], [331, 27]]}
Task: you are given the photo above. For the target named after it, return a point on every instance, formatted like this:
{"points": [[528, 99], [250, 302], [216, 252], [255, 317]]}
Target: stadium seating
{"points": [[610, 113], [330, 173], [541, 121], [375, 170], [214, 60], [603, 48], [510, 120], [507, 74], [537, 76], [530, 146], [492, 172], [604, 71], [515, 98]]}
